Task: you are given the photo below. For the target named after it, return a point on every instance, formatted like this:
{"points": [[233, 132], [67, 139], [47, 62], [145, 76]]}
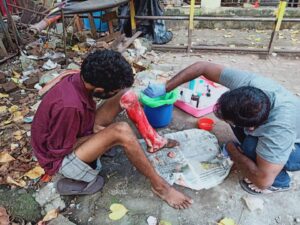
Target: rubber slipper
{"points": [[246, 187], [66, 186]]}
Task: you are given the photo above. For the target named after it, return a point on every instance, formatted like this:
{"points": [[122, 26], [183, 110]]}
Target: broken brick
{"points": [[2, 77], [29, 83], [9, 87]]}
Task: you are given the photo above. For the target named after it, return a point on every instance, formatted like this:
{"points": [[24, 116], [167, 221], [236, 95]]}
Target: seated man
{"points": [[69, 134], [264, 118]]}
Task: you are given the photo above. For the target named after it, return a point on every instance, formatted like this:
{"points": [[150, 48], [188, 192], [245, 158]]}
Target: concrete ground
{"points": [[287, 39], [126, 186]]}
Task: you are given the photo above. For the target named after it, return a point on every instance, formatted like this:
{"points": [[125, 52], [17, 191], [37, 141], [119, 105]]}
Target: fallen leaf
{"points": [[20, 183], [16, 80], [117, 211], [5, 157], [75, 48], [17, 116], [52, 214], [257, 39], [3, 109], [5, 122], [13, 108], [36, 172], [4, 95], [18, 134], [13, 146], [16, 74], [4, 217], [227, 221], [164, 222]]}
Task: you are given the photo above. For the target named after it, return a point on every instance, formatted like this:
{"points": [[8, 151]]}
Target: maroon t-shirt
{"points": [[66, 113]]}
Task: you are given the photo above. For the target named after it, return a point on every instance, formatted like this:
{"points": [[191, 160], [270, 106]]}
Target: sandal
{"points": [[66, 186], [252, 189]]}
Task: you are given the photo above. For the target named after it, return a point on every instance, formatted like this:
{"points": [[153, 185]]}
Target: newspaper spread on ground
{"points": [[196, 163]]}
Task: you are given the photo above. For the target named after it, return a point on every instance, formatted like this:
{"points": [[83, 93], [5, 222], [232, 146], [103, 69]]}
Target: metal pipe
{"points": [[212, 18], [26, 9], [222, 49]]}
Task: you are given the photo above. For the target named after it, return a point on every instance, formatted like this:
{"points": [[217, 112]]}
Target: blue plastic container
{"points": [[159, 116], [100, 26]]}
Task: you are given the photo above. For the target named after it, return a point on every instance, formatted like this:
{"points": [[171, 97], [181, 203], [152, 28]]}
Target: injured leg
{"points": [[129, 101]]}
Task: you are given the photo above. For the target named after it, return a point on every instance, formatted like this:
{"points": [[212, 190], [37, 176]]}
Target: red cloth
{"points": [[129, 101], [66, 113], [2, 8]]}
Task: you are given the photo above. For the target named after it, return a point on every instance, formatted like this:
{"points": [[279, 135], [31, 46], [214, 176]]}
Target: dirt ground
{"points": [[125, 185]]}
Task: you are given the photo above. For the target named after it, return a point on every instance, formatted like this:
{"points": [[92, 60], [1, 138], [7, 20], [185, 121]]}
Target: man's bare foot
{"points": [[174, 198], [169, 143]]}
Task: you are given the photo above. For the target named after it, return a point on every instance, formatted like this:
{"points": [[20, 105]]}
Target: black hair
{"points": [[107, 69], [245, 107]]}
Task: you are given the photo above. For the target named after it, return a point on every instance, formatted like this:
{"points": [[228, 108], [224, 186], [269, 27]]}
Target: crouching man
{"points": [[263, 116], [69, 134]]}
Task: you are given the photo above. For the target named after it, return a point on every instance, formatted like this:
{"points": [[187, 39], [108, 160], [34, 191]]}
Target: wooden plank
{"points": [[116, 42], [129, 41], [110, 37], [3, 52], [92, 25], [109, 16]]}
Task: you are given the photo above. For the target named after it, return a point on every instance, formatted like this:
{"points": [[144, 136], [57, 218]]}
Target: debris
{"points": [[4, 95], [2, 77], [49, 199], [164, 222], [29, 83], [73, 66], [151, 220], [117, 211], [49, 65], [4, 217], [52, 214], [253, 203], [20, 182], [9, 87], [171, 154], [226, 221], [278, 219], [28, 119], [3, 109], [274, 54], [297, 220]]}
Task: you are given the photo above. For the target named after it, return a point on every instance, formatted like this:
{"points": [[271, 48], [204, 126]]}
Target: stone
{"points": [[253, 203], [73, 66], [297, 220], [29, 83], [2, 77], [49, 199], [9, 87], [60, 220]]}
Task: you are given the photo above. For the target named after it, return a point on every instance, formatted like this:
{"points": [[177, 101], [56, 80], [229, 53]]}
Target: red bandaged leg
{"points": [[129, 101]]}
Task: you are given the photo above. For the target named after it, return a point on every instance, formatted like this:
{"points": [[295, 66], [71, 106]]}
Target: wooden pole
{"points": [[191, 25], [277, 24], [132, 17]]}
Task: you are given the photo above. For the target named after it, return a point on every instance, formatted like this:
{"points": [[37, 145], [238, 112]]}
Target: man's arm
{"points": [[209, 70], [262, 173]]}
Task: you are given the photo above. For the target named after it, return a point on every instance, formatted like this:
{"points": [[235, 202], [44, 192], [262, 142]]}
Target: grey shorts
{"points": [[72, 167]]}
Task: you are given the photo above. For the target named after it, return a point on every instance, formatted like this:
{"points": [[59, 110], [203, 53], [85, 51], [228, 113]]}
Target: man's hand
{"points": [[155, 90]]}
